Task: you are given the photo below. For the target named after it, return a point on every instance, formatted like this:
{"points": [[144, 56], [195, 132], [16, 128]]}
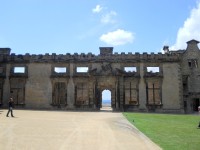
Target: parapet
{"points": [[5, 51], [106, 54]]}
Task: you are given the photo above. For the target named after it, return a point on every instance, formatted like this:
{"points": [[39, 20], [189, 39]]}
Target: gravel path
{"points": [[64, 130]]}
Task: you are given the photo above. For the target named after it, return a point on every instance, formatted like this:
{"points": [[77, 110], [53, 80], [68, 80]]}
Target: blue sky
{"points": [[82, 26]]}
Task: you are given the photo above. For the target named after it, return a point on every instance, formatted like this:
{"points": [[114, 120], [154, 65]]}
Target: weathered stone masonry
{"points": [[167, 82]]}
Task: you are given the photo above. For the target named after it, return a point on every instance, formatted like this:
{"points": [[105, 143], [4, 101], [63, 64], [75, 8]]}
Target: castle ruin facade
{"points": [[168, 82]]}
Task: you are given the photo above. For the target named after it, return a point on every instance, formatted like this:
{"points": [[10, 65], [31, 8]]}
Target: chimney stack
{"points": [[166, 49]]}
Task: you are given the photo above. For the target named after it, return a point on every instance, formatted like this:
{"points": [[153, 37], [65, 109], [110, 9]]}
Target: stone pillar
{"points": [[142, 89], [6, 87], [91, 89], [116, 95], [70, 88], [121, 92], [113, 97]]}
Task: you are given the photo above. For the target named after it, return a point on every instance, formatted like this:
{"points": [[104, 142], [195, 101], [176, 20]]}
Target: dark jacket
{"points": [[10, 104]]}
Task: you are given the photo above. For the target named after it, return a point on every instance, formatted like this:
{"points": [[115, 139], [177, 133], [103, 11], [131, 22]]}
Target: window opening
{"points": [[82, 97], [131, 94], [19, 69], [60, 69], [189, 63], [153, 93], [59, 93], [82, 69], [17, 90], [130, 69], [153, 69], [193, 63]]}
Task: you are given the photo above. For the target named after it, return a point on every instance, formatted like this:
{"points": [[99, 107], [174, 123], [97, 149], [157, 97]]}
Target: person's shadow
{"points": [[13, 117]]}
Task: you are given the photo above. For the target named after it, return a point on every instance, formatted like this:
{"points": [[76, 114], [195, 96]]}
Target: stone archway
{"points": [[112, 101], [106, 98], [106, 102], [107, 83]]}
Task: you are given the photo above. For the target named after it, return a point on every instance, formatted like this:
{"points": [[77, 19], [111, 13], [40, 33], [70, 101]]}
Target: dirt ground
{"points": [[64, 130]]}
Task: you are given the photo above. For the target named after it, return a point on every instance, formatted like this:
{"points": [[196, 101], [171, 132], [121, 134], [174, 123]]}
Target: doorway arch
{"points": [[106, 102]]}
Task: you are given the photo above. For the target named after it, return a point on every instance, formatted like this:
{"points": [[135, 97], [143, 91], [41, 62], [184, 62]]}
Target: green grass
{"points": [[170, 132]]}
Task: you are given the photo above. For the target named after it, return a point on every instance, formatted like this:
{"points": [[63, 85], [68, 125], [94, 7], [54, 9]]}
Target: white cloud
{"points": [[97, 9], [109, 17], [190, 29], [118, 37]]}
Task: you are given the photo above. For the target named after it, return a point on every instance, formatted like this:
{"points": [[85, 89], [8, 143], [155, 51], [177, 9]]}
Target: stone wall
{"points": [[41, 86]]}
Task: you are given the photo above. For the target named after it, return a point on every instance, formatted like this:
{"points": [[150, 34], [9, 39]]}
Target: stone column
{"points": [[70, 88], [6, 87], [142, 89], [116, 95], [121, 92]]}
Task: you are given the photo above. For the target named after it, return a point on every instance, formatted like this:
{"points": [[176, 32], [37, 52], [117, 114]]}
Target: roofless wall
{"points": [[137, 82]]}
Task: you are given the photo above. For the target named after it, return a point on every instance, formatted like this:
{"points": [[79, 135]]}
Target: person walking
{"points": [[10, 107]]}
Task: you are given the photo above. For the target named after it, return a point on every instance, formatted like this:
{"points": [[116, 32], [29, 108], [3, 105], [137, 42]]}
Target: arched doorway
{"points": [[106, 100]]}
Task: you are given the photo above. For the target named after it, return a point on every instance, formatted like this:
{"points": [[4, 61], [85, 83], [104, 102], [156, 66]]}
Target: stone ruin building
{"points": [[168, 82]]}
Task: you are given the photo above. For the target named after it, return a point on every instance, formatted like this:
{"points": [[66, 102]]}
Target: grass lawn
{"points": [[170, 132]]}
